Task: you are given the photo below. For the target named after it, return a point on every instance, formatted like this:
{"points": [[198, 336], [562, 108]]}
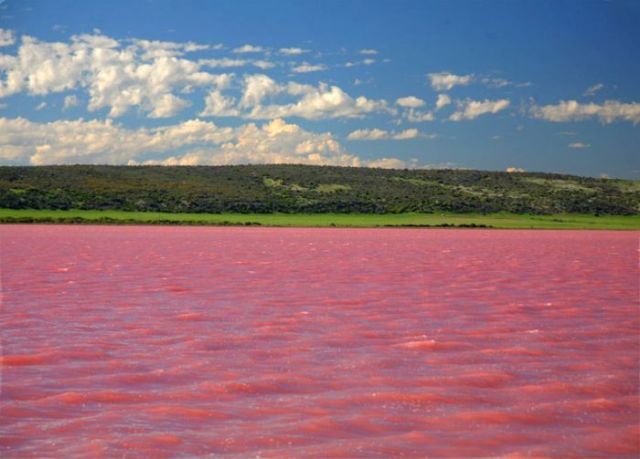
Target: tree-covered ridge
{"points": [[310, 189]]}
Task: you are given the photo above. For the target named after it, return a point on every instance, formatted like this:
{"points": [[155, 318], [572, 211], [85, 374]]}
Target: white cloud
{"points": [[369, 51], [367, 61], [191, 47], [217, 104], [406, 134], [200, 142], [257, 87], [144, 74], [512, 169], [168, 105], [444, 81], [571, 110], [280, 142], [99, 141], [443, 101], [248, 49], [368, 134], [264, 98], [592, 90], [495, 82], [153, 49], [410, 101], [417, 116], [471, 109], [262, 64], [579, 145], [305, 67], [313, 102], [224, 62], [292, 51], [41, 106], [6, 37], [151, 76], [380, 134], [70, 101]]}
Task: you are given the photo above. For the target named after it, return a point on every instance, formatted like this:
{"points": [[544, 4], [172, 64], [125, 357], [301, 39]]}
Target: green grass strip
{"points": [[501, 220]]}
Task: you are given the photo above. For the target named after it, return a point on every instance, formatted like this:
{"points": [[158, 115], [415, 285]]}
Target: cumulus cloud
{"points": [[198, 142], [292, 51], [443, 101], [571, 110], [310, 102], [262, 64], [41, 106], [417, 116], [280, 142], [99, 141], [592, 90], [167, 105], [256, 88], [158, 79], [579, 145], [380, 134], [245, 49], [406, 134], [6, 37], [471, 109], [152, 77], [444, 81], [216, 104], [410, 101], [115, 75], [368, 134], [305, 67], [264, 98]]}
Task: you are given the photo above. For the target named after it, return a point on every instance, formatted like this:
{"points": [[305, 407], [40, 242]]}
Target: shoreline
{"points": [[405, 220]]}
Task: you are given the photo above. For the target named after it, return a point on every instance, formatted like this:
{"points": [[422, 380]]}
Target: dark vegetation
{"points": [[310, 189], [118, 221]]}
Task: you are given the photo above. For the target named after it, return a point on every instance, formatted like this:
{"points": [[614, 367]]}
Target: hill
{"points": [[310, 189]]}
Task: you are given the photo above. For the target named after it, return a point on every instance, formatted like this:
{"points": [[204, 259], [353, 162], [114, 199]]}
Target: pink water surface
{"points": [[264, 342]]}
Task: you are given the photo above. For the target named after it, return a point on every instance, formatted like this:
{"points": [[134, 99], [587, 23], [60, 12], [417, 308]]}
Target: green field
{"points": [[500, 220]]}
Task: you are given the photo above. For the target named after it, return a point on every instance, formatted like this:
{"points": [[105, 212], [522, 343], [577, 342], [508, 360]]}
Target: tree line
{"points": [[310, 189]]}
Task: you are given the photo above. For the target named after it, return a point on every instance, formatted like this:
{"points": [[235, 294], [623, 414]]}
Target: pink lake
{"points": [[145, 341]]}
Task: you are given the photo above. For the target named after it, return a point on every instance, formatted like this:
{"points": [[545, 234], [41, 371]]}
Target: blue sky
{"points": [[533, 85]]}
